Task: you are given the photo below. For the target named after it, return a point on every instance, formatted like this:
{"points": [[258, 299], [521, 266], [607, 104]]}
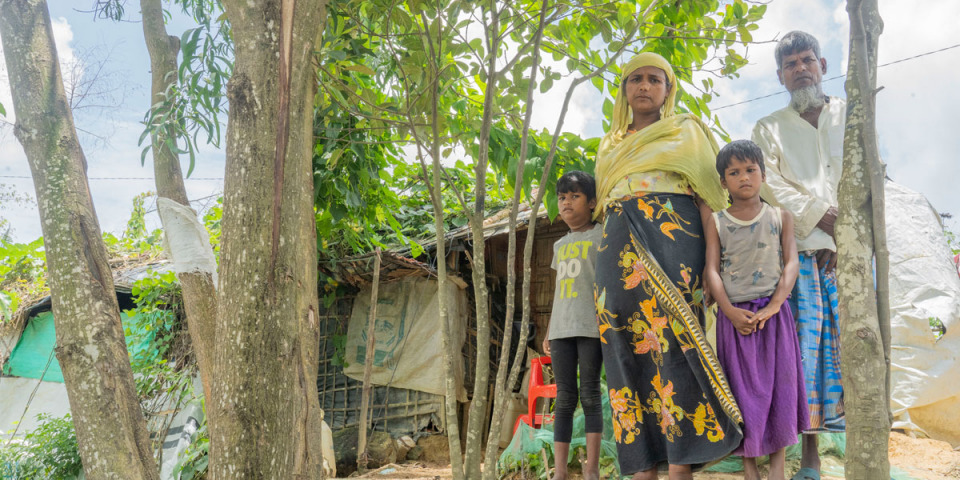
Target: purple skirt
{"points": [[766, 377]]}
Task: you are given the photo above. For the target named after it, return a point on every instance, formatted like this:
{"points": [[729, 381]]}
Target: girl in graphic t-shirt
{"points": [[751, 268], [573, 338]]}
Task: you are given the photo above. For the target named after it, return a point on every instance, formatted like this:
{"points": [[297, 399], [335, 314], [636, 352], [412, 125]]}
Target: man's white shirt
{"points": [[803, 166]]}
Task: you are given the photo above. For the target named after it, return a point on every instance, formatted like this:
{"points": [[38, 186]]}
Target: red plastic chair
{"points": [[535, 391]]}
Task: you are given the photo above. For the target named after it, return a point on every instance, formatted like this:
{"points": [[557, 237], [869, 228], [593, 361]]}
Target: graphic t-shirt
{"points": [[574, 259], [751, 257]]}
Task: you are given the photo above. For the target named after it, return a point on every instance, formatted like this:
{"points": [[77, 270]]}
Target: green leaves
{"points": [[48, 451], [22, 275], [189, 111], [397, 77], [152, 330], [9, 301]]}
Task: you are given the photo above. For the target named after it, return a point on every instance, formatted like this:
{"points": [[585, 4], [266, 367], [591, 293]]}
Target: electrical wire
{"points": [[840, 76], [121, 178]]}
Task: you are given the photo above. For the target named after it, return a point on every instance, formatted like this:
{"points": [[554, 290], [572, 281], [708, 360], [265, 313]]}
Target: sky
{"points": [[915, 109]]}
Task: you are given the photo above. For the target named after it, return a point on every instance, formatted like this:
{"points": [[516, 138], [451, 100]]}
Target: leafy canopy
{"points": [[397, 77]]}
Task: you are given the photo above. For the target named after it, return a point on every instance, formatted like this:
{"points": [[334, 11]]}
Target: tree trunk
{"points": [[452, 429], [861, 337], [450, 355], [265, 361], [199, 290], [111, 431], [506, 364], [478, 405], [362, 456]]}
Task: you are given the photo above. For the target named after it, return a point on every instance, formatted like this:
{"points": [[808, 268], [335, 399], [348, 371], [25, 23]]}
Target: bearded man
{"points": [[803, 150]]}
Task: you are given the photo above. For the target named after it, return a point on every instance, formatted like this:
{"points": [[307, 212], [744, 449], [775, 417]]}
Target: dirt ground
{"points": [[914, 458]]}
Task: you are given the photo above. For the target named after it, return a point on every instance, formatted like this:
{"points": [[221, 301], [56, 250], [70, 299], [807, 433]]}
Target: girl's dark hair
{"points": [[745, 150], [577, 181]]}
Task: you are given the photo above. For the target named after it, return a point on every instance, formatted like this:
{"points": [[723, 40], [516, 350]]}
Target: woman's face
{"points": [[646, 89]]}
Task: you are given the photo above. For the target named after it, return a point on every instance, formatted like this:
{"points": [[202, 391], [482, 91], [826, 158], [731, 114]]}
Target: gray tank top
{"points": [[751, 257]]}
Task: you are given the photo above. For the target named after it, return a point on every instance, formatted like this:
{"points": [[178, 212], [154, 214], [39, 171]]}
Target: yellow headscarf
{"points": [[676, 143]]}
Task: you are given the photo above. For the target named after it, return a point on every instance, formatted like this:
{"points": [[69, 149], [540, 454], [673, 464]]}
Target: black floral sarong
{"points": [[670, 400]]}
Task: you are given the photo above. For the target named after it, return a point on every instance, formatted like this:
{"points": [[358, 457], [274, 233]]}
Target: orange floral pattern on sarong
{"points": [[666, 389]]}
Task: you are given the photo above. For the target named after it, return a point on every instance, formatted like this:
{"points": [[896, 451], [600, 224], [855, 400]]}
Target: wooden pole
{"points": [[362, 456]]}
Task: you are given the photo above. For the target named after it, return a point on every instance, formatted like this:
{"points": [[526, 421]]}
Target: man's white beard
{"points": [[806, 98]]}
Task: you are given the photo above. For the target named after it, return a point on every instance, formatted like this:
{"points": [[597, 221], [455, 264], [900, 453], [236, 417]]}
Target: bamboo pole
{"points": [[362, 456]]}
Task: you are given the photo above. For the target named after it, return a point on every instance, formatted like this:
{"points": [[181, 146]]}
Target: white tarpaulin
{"points": [[22, 399], [407, 335], [186, 239], [923, 285]]}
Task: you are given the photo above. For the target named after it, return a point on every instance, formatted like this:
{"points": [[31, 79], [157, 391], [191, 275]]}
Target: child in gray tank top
{"points": [[573, 337], [751, 268]]}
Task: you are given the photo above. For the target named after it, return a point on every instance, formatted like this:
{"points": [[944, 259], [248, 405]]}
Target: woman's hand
{"points": [[741, 320], [546, 346], [707, 298], [760, 318]]}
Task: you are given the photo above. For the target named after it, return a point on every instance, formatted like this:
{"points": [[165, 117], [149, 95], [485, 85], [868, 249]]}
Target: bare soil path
{"points": [[913, 458]]}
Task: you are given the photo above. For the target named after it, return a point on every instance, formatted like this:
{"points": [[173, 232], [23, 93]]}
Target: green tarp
{"points": [[35, 348]]}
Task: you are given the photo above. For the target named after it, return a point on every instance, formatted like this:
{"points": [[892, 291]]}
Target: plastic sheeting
{"points": [[923, 285], [22, 399], [407, 336], [186, 239], [181, 431], [34, 350], [527, 441]]}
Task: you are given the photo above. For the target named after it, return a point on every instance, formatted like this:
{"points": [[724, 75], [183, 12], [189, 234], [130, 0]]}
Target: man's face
{"points": [[801, 69]]}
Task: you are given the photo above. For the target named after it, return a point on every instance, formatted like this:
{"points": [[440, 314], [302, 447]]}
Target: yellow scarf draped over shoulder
{"points": [[681, 144]]}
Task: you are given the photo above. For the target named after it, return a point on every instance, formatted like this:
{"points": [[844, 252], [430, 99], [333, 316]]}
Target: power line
{"points": [[840, 76], [120, 178]]}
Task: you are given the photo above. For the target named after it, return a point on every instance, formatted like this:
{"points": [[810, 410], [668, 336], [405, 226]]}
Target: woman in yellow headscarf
{"points": [[655, 177]]}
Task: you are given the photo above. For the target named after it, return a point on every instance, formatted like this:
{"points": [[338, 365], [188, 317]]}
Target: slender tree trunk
{"points": [[362, 457], [506, 363], [450, 355], [111, 431], [872, 28], [265, 361], [478, 405], [199, 290], [490, 464], [861, 337]]}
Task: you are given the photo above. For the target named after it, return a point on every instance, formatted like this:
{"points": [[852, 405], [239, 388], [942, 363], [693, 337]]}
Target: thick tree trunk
{"points": [[110, 427], [265, 361], [199, 290], [861, 335]]}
